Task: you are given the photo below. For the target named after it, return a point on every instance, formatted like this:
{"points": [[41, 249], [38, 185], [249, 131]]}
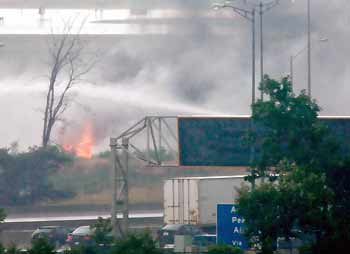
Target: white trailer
{"points": [[193, 200]]}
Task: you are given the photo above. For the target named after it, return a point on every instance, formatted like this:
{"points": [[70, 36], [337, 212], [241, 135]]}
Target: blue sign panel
{"points": [[229, 226]]}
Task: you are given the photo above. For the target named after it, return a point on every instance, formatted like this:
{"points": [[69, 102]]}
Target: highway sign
{"points": [[206, 141], [230, 226], [221, 141]]}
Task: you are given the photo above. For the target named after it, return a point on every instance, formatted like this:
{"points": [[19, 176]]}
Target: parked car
{"points": [[166, 235], [55, 234], [81, 236]]}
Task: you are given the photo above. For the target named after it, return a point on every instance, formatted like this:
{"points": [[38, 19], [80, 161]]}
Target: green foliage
{"points": [[82, 249], [2, 214], [24, 176], [103, 231], [291, 130], [13, 249], [2, 249], [334, 235], [311, 195], [136, 244], [224, 249], [300, 200], [42, 246], [260, 209]]}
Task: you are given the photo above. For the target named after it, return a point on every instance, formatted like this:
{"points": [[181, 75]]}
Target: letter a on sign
{"points": [[233, 210]]}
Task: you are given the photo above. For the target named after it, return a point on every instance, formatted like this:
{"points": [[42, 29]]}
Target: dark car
{"points": [[166, 235], [55, 234], [85, 235], [81, 236]]}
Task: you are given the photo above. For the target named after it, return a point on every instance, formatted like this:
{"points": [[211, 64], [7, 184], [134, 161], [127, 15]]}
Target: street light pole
{"points": [[291, 69], [309, 48], [249, 15], [263, 8], [253, 56], [292, 58], [261, 49]]}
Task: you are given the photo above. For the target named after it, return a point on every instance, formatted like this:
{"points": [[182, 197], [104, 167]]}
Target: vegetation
{"points": [[224, 249], [90, 180], [2, 249], [309, 199], [103, 231], [24, 176], [2, 214], [50, 176], [12, 249], [42, 246], [136, 244], [287, 130]]}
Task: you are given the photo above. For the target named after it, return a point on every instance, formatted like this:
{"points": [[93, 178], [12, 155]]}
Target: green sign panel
{"points": [[220, 141]]}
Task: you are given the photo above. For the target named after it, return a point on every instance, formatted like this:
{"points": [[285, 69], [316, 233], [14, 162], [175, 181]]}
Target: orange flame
{"points": [[83, 147]]}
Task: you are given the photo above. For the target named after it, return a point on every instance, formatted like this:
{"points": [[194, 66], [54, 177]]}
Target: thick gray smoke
{"points": [[203, 66]]}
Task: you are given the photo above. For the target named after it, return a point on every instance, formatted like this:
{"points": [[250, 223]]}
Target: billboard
{"points": [[230, 226], [220, 141]]}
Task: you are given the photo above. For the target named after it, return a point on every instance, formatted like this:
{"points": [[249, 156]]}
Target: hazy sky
{"points": [[203, 66]]}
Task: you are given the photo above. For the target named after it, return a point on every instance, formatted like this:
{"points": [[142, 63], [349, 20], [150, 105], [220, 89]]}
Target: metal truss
{"points": [[159, 135]]}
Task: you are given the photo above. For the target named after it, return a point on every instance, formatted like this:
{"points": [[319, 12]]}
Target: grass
{"points": [[138, 195], [90, 181]]}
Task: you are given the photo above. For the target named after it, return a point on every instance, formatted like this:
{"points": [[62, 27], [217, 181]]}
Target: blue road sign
{"points": [[229, 226]]}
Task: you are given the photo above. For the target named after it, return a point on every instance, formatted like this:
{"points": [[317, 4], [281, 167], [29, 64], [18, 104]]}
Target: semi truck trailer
{"points": [[193, 200]]}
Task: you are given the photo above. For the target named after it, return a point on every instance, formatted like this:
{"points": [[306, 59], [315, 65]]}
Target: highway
{"points": [[133, 215], [18, 228]]}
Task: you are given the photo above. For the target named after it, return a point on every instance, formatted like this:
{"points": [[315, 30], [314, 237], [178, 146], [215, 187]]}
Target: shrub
{"points": [[136, 244], [83, 250], [2, 249], [224, 249], [42, 246], [103, 231], [12, 249]]}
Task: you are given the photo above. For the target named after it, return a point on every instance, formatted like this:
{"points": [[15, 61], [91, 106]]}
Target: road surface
{"points": [[76, 217]]}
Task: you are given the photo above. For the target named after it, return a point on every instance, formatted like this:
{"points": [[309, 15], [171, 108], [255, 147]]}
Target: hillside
{"points": [[90, 181]]}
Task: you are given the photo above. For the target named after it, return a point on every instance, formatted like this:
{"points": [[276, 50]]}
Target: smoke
{"points": [[203, 66]]}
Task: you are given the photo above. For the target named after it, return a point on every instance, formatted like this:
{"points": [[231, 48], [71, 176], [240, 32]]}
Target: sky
{"points": [[195, 66]]}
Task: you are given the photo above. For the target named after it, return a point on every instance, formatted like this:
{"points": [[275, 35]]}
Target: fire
{"points": [[83, 147]]}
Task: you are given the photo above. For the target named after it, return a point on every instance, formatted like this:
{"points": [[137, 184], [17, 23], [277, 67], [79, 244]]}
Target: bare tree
{"points": [[68, 64]]}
